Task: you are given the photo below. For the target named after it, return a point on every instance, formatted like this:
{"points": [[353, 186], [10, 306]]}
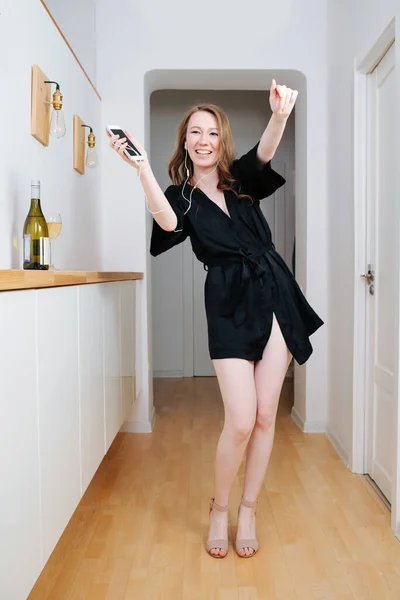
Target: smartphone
{"points": [[131, 151]]}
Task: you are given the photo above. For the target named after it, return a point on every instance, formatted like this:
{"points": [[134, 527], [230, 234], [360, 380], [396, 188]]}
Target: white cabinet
{"points": [[128, 338], [20, 531], [112, 359], [91, 384], [58, 391], [67, 367]]}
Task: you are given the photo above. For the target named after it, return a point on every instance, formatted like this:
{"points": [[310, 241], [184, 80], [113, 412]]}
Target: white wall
{"points": [[365, 20], [27, 37], [76, 20], [173, 54], [248, 113]]}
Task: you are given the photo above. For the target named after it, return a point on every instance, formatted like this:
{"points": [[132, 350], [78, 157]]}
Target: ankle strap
{"points": [[248, 503], [213, 504]]}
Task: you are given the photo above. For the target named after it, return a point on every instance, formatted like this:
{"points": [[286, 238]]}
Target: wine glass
{"points": [[54, 225]]}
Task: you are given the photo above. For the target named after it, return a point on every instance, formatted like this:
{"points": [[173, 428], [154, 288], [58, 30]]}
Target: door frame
{"points": [[362, 68]]}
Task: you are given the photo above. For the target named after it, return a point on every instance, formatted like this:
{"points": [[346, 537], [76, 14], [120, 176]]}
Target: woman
{"points": [[257, 316]]}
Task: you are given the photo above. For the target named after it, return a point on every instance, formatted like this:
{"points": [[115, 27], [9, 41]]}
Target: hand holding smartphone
{"points": [[130, 151]]}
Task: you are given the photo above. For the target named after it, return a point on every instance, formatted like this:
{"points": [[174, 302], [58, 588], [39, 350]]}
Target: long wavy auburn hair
{"points": [[176, 164]]}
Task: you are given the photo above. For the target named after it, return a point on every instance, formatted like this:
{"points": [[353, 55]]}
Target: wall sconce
{"points": [[91, 156], [80, 144], [41, 127], [57, 122]]}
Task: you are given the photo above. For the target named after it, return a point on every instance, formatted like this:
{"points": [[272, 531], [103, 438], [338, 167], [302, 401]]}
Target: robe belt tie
{"points": [[240, 304]]}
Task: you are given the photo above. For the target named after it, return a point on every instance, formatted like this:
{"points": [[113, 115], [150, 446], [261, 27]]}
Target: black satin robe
{"points": [[247, 280]]}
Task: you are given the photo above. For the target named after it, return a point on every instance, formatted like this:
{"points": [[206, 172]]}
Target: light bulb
{"points": [[57, 124], [91, 158]]}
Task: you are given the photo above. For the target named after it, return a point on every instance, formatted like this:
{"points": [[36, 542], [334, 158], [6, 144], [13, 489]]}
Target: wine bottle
{"points": [[36, 234]]}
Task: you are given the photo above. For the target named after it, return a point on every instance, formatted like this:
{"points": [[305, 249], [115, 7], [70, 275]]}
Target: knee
{"points": [[241, 430], [265, 419]]}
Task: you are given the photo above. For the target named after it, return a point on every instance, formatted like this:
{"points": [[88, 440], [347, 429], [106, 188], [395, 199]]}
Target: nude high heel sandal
{"points": [[222, 544], [249, 543]]}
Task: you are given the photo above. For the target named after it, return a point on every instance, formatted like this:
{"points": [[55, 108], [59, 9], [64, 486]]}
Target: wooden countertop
{"points": [[24, 280]]}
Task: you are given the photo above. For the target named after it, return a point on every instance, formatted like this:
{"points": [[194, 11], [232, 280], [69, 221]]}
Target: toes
{"points": [[246, 551], [218, 552]]}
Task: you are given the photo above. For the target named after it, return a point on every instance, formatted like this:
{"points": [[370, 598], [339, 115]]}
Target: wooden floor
{"points": [[138, 532]]}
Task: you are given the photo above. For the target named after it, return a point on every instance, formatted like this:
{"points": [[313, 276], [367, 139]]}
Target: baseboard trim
{"points": [[297, 419], [157, 374], [339, 447], [140, 426], [320, 427], [307, 426]]}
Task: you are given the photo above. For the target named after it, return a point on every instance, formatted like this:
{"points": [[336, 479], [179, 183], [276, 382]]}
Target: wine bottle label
{"points": [[27, 247], [36, 251], [44, 251]]}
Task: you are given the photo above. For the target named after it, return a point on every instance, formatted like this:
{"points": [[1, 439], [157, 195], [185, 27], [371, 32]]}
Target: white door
{"points": [[382, 264]]}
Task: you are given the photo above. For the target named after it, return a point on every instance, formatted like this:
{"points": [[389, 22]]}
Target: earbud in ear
{"points": [[187, 170]]}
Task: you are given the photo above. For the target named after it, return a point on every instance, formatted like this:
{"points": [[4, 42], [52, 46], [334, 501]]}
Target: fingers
{"points": [[121, 149], [283, 97], [113, 139], [118, 144], [288, 97], [282, 91]]}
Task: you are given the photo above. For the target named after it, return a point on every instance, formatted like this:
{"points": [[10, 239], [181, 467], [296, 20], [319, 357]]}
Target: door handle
{"points": [[369, 276]]}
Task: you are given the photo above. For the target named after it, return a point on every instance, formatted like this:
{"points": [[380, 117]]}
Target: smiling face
{"points": [[202, 139]]}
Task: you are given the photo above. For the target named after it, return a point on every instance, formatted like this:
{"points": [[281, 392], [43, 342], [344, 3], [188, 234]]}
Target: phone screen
{"points": [[131, 148]]}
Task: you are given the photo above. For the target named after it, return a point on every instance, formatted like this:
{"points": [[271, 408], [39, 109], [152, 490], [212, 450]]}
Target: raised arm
{"points": [[158, 204], [282, 100]]}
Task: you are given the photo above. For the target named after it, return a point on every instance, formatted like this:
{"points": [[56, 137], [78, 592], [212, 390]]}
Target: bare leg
{"points": [[236, 382], [269, 375]]}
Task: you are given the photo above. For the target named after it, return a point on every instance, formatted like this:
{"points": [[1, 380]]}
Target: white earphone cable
{"points": [[189, 201]]}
